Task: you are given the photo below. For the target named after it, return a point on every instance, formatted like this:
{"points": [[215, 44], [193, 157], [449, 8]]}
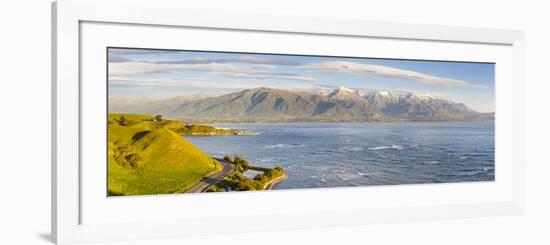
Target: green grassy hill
{"points": [[150, 157]]}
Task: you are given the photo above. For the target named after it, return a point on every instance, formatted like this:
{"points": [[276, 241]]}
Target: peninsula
{"points": [[150, 155]]}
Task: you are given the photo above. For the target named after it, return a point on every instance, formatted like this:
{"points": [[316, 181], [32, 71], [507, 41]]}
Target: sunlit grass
{"points": [[148, 157]]}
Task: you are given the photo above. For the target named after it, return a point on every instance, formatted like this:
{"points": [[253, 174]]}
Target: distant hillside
{"points": [[147, 105], [278, 105], [149, 157]]}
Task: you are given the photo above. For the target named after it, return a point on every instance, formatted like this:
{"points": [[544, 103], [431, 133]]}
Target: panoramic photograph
{"points": [[182, 121]]}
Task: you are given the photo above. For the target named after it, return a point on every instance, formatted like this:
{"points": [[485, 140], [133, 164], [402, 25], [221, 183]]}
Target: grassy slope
{"points": [[137, 120], [167, 163]]}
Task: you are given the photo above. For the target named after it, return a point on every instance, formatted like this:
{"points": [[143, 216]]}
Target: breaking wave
{"points": [[351, 148], [279, 146], [386, 147]]}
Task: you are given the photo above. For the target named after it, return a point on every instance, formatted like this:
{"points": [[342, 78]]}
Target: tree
{"points": [[244, 163], [228, 158], [122, 121], [241, 163], [134, 160], [158, 118]]}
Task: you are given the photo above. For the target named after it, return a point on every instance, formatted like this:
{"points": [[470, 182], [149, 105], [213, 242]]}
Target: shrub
{"points": [[260, 177], [122, 121], [134, 160], [242, 164], [228, 158], [213, 188]]}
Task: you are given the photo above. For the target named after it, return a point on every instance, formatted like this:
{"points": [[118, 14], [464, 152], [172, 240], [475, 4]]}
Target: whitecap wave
{"points": [[346, 177], [386, 147], [279, 146], [431, 162], [351, 148]]}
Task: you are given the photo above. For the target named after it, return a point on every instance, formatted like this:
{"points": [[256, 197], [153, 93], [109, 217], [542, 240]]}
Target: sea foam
{"points": [[385, 147], [278, 146]]}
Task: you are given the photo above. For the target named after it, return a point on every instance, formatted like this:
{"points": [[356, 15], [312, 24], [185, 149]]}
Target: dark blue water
{"points": [[358, 154]]}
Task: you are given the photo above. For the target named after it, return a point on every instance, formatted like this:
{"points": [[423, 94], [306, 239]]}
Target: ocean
{"points": [[363, 154]]}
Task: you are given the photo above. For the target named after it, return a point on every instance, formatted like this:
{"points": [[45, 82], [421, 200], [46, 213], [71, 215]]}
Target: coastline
{"points": [[269, 185], [217, 124]]}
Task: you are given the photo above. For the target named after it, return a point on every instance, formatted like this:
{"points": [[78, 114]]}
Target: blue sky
{"points": [[163, 74]]}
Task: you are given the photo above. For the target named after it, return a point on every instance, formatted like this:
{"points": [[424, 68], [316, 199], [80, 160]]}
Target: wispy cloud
{"points": [[386, 71], [127, 51], [246, 59], [116, 55], [114, 58], [172, 86], [166, 83], [140, 68]]}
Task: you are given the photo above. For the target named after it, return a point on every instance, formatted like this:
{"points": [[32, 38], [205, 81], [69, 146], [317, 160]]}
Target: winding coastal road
{"points": [[227, 169]]}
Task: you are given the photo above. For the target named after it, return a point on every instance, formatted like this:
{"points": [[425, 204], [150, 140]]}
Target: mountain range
{"points": [[279, 105]]}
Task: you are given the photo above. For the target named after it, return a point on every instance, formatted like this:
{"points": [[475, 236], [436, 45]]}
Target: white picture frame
{"points": [[68, 17]]}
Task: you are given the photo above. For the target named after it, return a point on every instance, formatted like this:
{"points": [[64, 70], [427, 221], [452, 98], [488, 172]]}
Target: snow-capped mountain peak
{"points": [[383, 93], [418, 96], [344, 90], [343, 93], [380, 95]]}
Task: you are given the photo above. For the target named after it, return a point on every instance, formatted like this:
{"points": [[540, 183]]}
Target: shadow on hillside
{"points": [[139, 135]]}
